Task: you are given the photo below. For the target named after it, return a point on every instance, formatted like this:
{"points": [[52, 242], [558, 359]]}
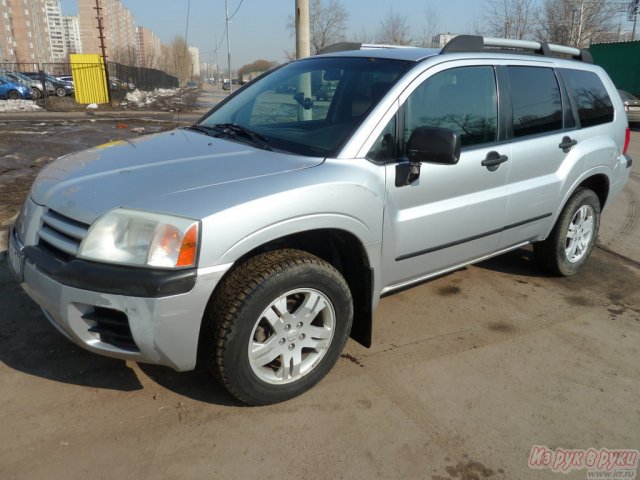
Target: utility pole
{"points": [[98, 10], [215, 52], [303, 49], [635, 5], [226, 16]]}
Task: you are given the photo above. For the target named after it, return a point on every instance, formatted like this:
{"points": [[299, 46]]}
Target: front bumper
{"points": [[163, 330]]}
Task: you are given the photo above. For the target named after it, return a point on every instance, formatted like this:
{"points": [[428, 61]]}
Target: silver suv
{"points": [[256, 241]]}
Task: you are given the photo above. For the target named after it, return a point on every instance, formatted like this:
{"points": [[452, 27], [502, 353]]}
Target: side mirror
{"points": [[434, 145]]}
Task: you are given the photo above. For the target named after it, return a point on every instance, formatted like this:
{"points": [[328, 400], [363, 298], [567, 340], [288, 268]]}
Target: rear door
{"points": [[539, 122]]}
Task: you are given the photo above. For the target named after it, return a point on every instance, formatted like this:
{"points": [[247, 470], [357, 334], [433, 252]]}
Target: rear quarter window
{"points": [[590, 97]]}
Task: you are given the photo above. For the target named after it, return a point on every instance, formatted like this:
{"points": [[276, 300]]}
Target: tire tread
{"points": [[236, 292]]}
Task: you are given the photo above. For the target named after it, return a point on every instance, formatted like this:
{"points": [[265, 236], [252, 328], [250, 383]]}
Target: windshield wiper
{"points": [[235, 130], [201, 128]]}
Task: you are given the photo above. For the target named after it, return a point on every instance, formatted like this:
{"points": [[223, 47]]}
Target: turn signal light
{"points": [[189, 247]]}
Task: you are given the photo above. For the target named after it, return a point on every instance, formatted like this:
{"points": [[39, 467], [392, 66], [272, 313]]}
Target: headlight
{"points": [[130, 237]]}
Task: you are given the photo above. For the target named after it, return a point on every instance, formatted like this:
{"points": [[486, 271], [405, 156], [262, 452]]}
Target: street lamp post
{"points": [[226, 15]]}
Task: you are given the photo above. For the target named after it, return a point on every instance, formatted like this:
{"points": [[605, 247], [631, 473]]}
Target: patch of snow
{"points": [[7, 106], [92, 106], [143, 98]]}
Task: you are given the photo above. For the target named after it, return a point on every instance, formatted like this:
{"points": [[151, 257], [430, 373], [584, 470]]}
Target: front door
{"points": [[452, 213]]}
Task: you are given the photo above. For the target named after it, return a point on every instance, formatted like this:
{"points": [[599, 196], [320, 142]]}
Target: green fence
{"points": [[621, 61]]}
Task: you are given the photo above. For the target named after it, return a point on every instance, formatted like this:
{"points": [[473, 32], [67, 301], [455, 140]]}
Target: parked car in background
{"points": [[117, 84], [13, 91], [631, 106], [65, 78], [35, 85], [54, 86], [325, 91]]}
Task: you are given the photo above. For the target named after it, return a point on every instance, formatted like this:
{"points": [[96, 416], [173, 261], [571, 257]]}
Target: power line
{"points": [[236, 10]]}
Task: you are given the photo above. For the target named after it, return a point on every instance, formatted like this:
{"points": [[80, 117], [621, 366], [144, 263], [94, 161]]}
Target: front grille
{"points": [[112, 326], [61, 235]]}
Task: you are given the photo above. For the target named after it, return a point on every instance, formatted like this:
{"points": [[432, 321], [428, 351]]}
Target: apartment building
{"points": [[440, 40], [56, 34], [195, 61], [119, 30], [71, 34], [24, 31], [149, 48]]}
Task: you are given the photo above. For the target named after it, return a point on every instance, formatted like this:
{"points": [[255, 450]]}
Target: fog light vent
{"points": [[112, 326]]}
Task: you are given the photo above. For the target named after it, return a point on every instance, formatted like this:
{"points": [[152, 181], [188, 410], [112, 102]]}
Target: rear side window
{"points": [[536, 101], [591, 97]]}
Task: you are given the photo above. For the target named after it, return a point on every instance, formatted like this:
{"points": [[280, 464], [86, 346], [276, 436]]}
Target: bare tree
{"points": [[180, 61], [394, 29], [430, 26], [327, 23], [577, 23], [510, 18], [364, 36]]}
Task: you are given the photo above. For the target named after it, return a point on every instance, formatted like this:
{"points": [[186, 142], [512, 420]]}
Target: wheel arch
{"points": [[599, 184], [345, 252]]}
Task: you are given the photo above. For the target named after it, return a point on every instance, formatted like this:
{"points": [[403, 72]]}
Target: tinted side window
{"points": [[536, 101], [592, 100], [461, 99]]}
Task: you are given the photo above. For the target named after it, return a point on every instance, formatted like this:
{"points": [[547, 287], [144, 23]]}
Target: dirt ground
{"points": [[466, 374]]}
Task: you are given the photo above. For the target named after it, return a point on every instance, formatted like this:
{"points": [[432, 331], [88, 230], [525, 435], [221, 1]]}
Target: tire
{"points": [[35, 93], [573, 237], [14, 95], [61, 92], [258, 337]]}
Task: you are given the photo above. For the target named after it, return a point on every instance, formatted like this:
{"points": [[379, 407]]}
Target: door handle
{"points": [[567, 144], [493, 160]]}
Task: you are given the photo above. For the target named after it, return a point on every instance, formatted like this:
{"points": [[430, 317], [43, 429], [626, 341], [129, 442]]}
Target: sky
{"points": [[259, 29]]}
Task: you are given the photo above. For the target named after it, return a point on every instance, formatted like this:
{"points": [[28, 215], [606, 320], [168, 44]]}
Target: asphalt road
{"points": [[466, 374]]}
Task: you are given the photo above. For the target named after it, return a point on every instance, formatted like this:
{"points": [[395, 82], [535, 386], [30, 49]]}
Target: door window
{"points": [[461, 99], [535, 99]]}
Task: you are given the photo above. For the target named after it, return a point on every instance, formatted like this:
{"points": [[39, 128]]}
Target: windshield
{"points": [[312, 106]]}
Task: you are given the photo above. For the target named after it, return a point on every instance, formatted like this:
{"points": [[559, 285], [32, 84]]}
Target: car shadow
{"points": [[30, 344], [518, 262], [197, 384]]}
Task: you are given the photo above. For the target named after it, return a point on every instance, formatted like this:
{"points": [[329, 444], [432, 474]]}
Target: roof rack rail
{"points": [[477, 43], [345, 46]]}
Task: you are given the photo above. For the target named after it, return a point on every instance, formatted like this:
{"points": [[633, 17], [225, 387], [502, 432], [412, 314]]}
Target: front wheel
{"points": [[60, 91], [276, 326], [14, 95], [35, 93], [574, 235]]}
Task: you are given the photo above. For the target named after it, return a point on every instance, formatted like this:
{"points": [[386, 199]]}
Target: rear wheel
{"points": [[35, 93], [574, 235], [60, 91], [14, 95], [276, 326]]}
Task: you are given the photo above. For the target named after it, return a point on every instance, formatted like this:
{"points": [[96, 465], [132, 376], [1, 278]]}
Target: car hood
{"points": [[86, 184]]}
